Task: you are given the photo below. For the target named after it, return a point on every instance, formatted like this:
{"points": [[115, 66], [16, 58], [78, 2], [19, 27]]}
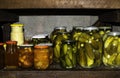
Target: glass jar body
{"points": [[25, 56], [2, 56], [11, 55], [90, 48], [41, 57], [111, 56]]}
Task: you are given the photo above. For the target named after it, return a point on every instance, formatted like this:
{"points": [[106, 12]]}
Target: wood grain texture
{"points": [[59, 74], [13, 4]]}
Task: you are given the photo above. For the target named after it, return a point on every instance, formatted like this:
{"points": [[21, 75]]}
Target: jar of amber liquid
{"points": [[25, 56], [11, 55], [2, 52], [41, 56]]}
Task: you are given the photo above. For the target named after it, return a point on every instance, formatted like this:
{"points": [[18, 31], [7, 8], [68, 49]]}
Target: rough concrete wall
{"points": [[40, 24]]}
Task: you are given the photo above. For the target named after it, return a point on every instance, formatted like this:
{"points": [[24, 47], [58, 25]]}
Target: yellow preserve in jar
{"points": [[17, 33], [41, 56]]}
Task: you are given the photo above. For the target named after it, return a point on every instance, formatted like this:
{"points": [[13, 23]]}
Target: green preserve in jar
{"points": [[57, 29], [103, 30], [68, 54], [111, 57], [57, 44], [41, 38], [90, 48]]}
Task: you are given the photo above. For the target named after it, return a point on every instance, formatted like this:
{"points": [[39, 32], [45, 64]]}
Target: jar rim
{"points": [[60, 27], [16, 24], [26, 45], [91, 28], [40, 36], [105, 27], [114, 33], [11, 42]]}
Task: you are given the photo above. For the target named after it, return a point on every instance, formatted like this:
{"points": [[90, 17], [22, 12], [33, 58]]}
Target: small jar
{"points": [[68, 54], [41, 57], [11, 55], [25, 56], [17, 33], [2, 56], [90, 48], [57, 29], [61, 36], [111, 55], [41, 38], [103, 30]]}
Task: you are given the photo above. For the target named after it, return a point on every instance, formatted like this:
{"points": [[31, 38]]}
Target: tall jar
{"points": [[57, 29], [11, 55], [41, 57], [61, 36], [90, 48], [17, 33], [111, 57], [25, 59], [103, 30], [2, 56], [68, 54], [41, 38]]}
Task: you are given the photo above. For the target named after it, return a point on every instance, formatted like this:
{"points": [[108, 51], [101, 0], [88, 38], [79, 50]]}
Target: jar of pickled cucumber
{"points": [[61, 36], [90, 48], [68, 54], [111, 56], [57, 29], [41, 57], [41, 38], [103, 30], [76, 32], [25, 59]]}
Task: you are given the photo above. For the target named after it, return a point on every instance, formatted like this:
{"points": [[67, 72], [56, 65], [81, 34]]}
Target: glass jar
{"points": [[111, 56], [11, 55], [103, 30], [61, 36], [41, 38], [2, 56], [90, 48], [41, 56], [25, 56], [68, 54], [57, 29], [17, 33]]}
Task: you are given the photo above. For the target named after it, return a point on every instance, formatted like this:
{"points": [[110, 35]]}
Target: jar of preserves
{"points": [[111, 56], [2, 55], [57, 29], [61, 36], [103, 30], [17, 33], [90, 48], [41, 38], [68, 54], [25, 59], [41, 57], [11, 55]]}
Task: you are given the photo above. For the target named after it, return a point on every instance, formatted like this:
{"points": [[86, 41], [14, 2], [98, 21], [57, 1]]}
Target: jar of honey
{"points": [[11, 55], [41, 56]]}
